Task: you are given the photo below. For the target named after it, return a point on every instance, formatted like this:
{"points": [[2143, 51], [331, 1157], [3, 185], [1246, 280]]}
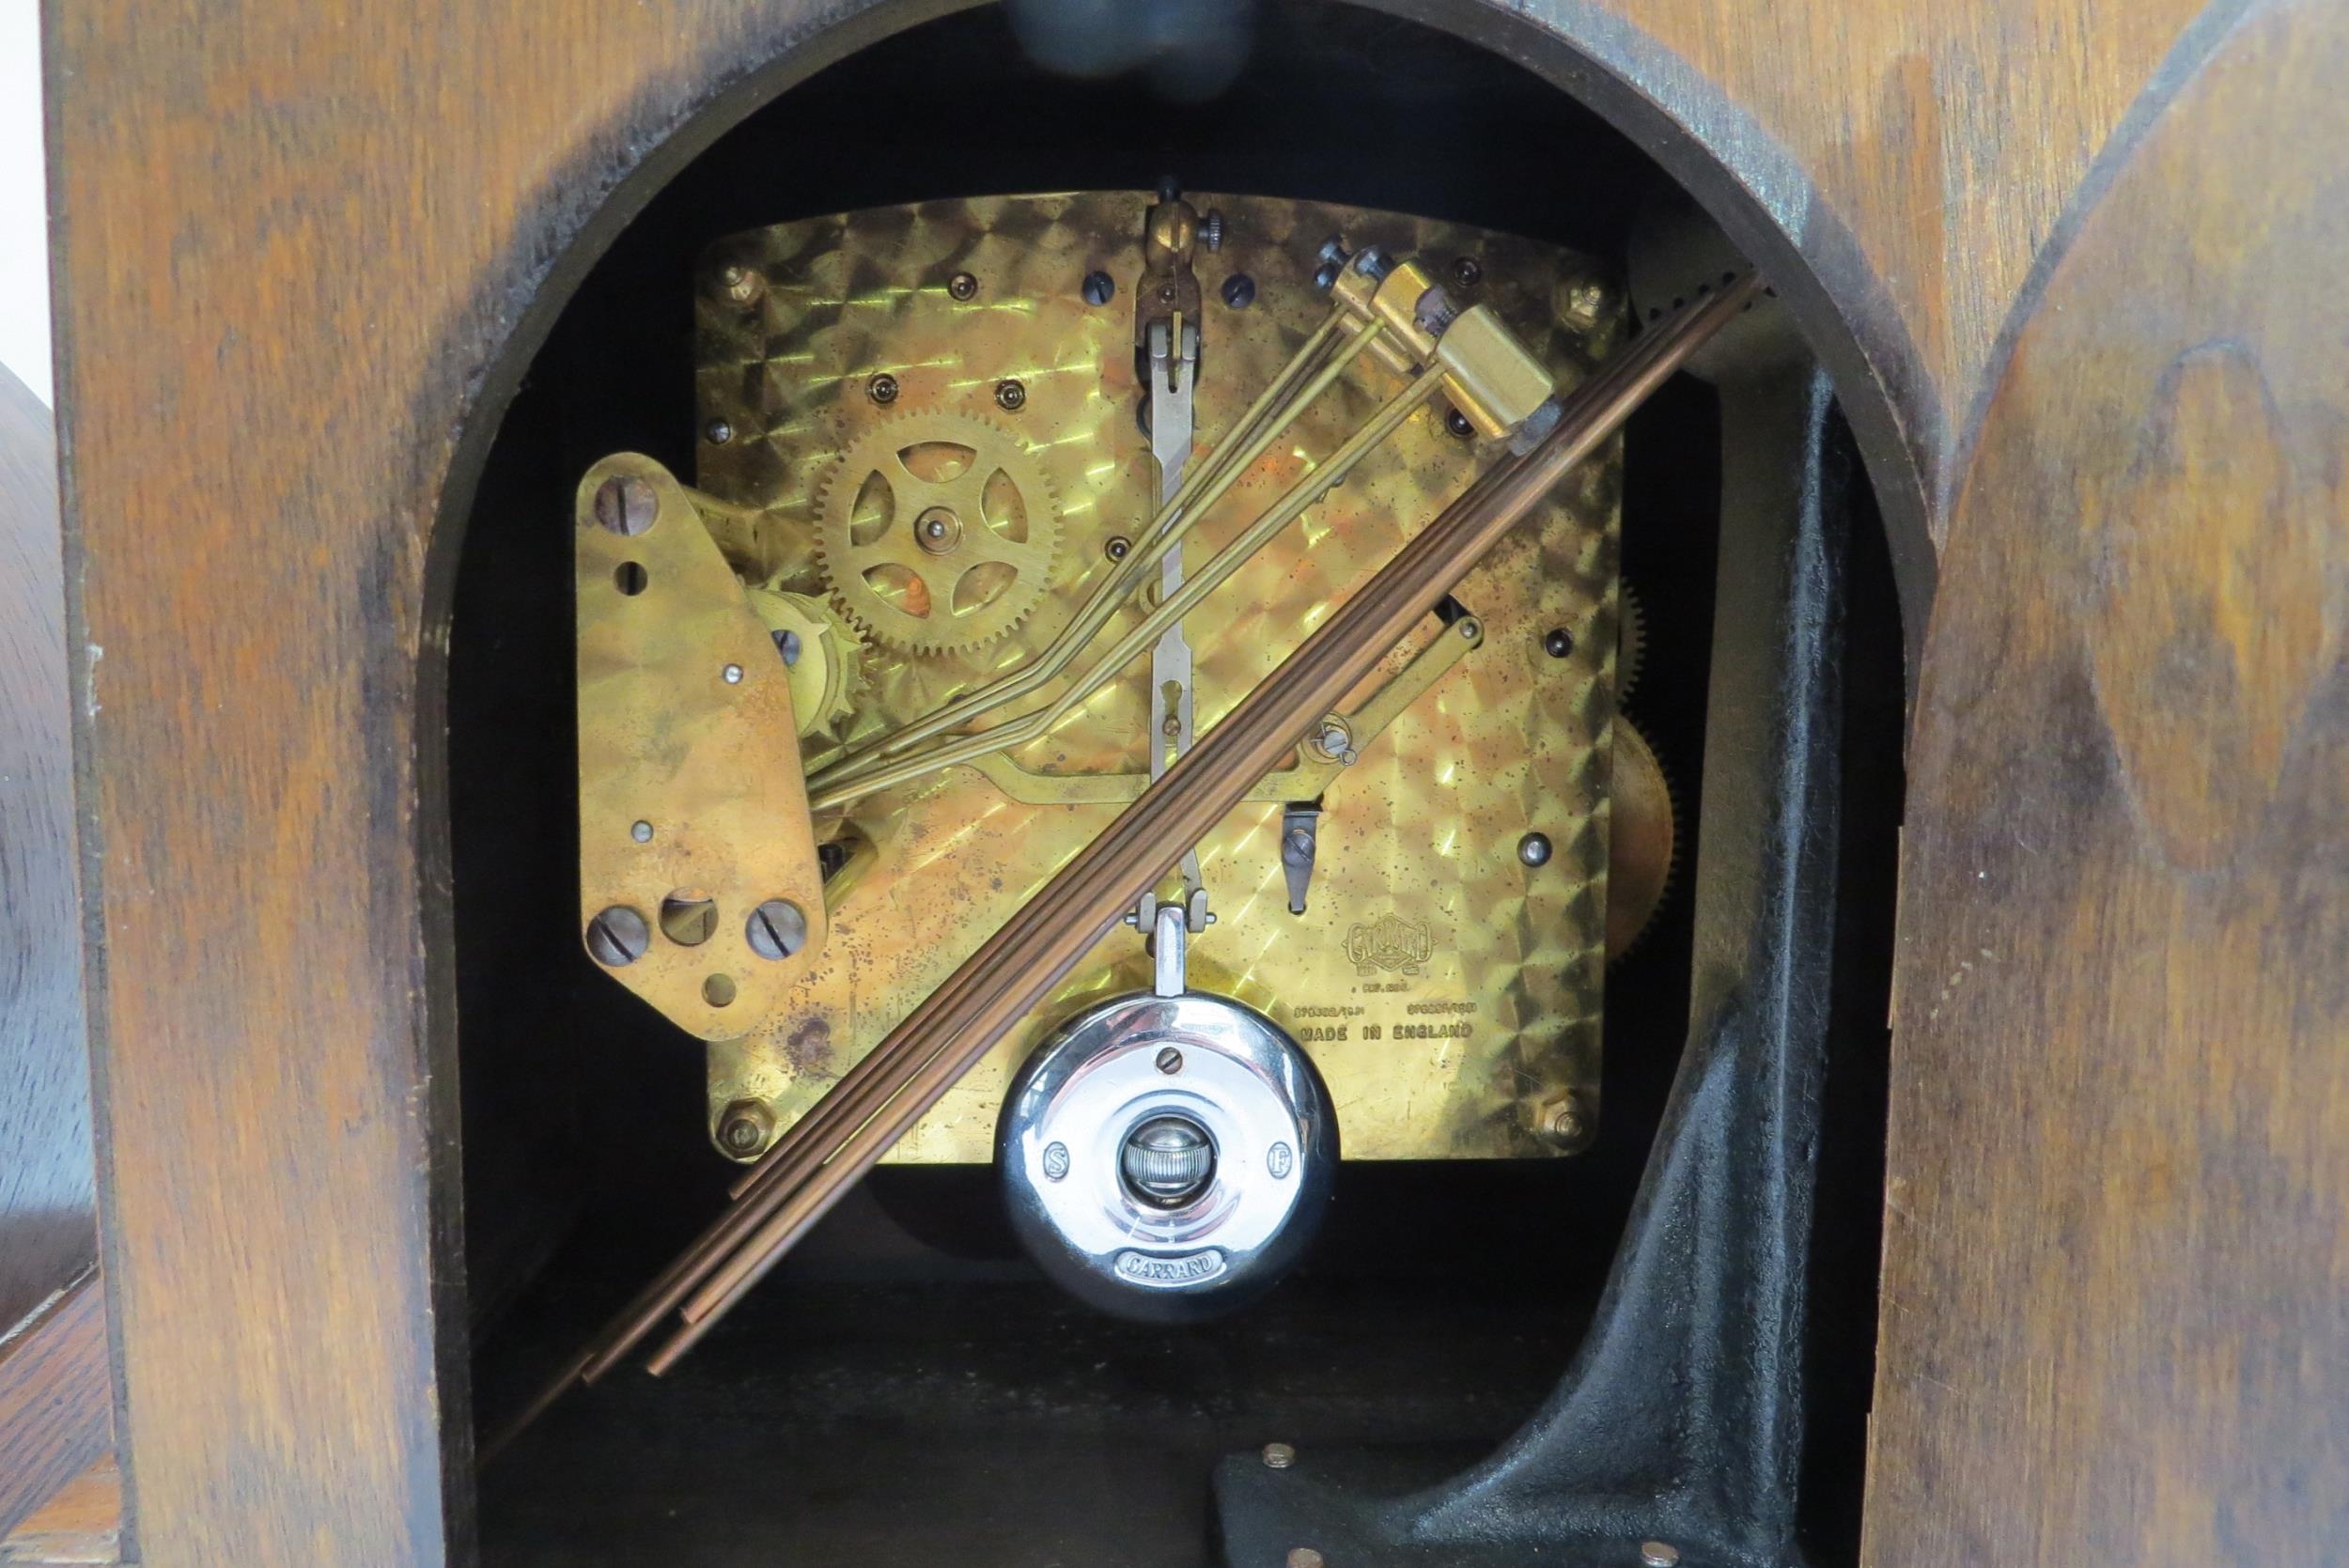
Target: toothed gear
{"points": [[1644, 840], [823, 653], [928, 510], [1630, 640]]}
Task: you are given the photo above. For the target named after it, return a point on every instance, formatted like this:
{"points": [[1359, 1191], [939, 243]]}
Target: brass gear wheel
{"points": [[821, 652], [1644, 840], [1630, 639], [938, 532]]}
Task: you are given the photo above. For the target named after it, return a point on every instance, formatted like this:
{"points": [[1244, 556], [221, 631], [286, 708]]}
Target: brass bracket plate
{"points": [[692, 813]]}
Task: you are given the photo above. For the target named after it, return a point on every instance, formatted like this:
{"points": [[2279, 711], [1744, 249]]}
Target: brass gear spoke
{"points": [[939, 568], [1023, 555], [966, 493]]}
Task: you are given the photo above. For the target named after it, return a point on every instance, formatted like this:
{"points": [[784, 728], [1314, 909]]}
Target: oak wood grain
{"points": [[57, 1403], [2116, 1284], [80, 1526], [291, 242], [1946, 140]]}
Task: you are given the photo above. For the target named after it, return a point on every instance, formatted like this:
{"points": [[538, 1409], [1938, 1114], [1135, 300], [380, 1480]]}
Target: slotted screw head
{"points": [[776, 929], [617, 936], [626, 506]]}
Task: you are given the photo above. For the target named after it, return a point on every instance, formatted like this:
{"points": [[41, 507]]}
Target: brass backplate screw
{"points": [[1011, 395], [741, 285], [962, 285], [882, 388], [1336, 743], [1580, 304], [745, 1129]]}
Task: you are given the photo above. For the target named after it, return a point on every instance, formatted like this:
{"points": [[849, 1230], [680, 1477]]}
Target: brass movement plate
{"points": [[689, 761], [1450, 995]]}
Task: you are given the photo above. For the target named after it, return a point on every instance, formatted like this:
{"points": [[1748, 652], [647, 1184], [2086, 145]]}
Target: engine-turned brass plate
{"points": [[1450, 994]]}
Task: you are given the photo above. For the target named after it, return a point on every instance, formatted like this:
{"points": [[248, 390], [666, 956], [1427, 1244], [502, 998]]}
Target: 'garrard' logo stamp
{"points": [[1191, 1268], [1390, 942]]}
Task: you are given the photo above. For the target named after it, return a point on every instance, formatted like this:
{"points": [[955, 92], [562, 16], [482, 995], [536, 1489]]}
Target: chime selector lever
{"points": [[1301, 840]]}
